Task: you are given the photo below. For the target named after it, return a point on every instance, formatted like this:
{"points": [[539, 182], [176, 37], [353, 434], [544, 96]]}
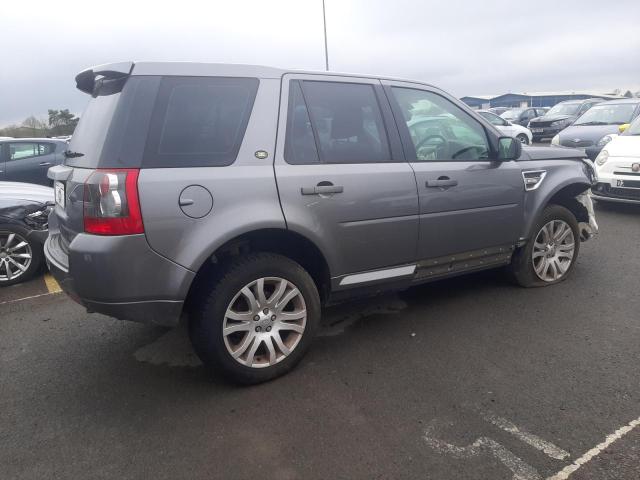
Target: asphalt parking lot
{"points": [[470, 378]]}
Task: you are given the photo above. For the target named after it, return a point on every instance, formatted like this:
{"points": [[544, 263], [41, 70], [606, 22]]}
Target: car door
{"points": [[29, 161], [467, 200], [342, 178]]}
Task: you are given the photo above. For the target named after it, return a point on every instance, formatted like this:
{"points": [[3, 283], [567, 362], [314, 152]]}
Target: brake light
{"points": [[111, 203]]}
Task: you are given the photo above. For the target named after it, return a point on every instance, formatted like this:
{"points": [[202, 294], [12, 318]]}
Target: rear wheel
{"points": [[550, 255], [258, 319], [19, 257]]}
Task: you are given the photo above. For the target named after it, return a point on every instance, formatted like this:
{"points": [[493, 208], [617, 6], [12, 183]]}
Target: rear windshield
{"points": [[165, 122]]}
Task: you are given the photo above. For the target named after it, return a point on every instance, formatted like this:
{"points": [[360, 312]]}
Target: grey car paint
{"points": [[482, 210], [370, 224], [379, 229], [32, 169]]}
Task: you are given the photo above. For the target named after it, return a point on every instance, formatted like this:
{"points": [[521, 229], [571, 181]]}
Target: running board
{"points": [[468, 261]]}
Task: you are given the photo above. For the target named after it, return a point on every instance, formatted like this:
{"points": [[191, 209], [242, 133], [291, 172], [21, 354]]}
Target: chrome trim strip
{"points": [[378, 275]]}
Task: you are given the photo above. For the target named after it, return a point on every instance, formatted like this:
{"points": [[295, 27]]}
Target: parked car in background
{"points": [[618, 167], [24, 211], [498, 110], [522, 116], [560, 117], [510, 129], [249, 196], [28, 159], [597, 127]]}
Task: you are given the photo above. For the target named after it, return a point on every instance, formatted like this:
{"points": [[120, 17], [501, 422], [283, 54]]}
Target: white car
{"points": [[618, 167], [509, 129]]}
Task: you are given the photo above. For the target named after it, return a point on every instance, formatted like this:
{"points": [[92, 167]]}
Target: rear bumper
{"points": [[121, 277]]}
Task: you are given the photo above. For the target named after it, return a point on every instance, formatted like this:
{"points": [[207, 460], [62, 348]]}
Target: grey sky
{"points": [[465, 47]]}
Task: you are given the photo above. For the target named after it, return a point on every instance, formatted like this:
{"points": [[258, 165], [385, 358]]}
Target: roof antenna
{"points": [[326, 51]]}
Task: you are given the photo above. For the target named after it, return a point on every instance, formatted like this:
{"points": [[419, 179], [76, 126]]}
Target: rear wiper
{"points": [[592, 123], [70, 154]]}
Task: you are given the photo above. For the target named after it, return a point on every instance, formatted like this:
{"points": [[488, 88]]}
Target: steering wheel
{"points": [[435, 150], [465, 149], [440, 144]]}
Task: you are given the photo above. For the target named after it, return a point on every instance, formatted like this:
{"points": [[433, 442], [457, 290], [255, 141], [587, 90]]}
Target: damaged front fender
{"points": [[590, 228]]}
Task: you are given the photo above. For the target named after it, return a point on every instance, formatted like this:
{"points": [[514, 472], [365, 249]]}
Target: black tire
{"points": [[208, 313], [523, 138], [37, 255], [522, 269]]}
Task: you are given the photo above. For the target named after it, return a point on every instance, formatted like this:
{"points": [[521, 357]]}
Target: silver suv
{"points": [[249, 197]]}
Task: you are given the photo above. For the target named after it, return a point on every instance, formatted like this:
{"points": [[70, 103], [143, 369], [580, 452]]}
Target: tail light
{"points": [[111, 203]]}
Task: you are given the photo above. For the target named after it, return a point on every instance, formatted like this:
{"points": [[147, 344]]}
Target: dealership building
{"points": [[533, 99]]}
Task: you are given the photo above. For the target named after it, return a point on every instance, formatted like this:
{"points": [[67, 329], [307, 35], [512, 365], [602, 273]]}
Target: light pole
{"points": [[326, 50]]}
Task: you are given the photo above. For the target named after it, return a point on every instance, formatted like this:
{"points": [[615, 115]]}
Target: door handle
{"points": [[322, 189], [45, 164], [441, 182]]}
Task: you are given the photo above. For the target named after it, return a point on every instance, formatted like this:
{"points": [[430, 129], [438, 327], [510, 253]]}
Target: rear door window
{"points": [[343, 120], [21, 150], [199, 121]]}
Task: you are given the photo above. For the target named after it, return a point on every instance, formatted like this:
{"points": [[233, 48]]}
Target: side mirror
{"points": [[509, 148], [623, 127]]}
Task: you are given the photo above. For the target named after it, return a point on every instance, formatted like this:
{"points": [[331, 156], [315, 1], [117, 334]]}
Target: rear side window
{"points": [[334, 122], [21, 150], [199, 121]]}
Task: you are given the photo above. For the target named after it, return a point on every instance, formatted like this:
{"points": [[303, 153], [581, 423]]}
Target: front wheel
{"points": [[257, 321], [523, 139], [552, 252]]}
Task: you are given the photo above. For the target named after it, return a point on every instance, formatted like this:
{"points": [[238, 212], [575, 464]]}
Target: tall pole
{"points": [[326, 50]]}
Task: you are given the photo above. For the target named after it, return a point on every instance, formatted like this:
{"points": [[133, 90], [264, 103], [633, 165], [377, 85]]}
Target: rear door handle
{"points": [[441, 182], [45, 164], [322, 189]]}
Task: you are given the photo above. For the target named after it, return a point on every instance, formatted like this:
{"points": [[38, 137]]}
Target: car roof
{"points": [[34, 139], [196, 69], [621, 101]]}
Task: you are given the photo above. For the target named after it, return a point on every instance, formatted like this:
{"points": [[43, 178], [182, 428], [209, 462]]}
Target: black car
{"points": [[28, 159], [560, 117], [522, 116], [24, 209]]}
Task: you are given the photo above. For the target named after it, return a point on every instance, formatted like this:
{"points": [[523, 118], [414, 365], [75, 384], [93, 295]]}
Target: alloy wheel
{"points": [[553, 250], [264, 322], [15, 256]]}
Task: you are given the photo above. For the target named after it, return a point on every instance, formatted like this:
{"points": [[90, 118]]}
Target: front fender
{"points": [[563, 177]]}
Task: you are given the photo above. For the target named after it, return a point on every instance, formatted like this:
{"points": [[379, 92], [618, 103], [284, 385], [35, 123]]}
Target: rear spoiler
{"points": [[113, 75]]}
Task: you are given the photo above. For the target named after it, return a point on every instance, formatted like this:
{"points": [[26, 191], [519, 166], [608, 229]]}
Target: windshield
{"points": [[564, 109], [493, 118], [608, 114], [512, 114], [634, 128]]}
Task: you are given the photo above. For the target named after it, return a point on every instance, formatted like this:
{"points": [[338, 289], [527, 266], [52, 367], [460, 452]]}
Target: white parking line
{"points": [[27, 298], [484, 445], [595, 451], [529, 438]]}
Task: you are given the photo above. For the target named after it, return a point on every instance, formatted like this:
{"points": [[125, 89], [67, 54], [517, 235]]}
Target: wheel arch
{"points": [[285, 242], [564, 195]]}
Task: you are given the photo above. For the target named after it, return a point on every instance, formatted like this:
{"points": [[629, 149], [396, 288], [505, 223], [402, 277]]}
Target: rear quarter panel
{"points": [[245, 197]]}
